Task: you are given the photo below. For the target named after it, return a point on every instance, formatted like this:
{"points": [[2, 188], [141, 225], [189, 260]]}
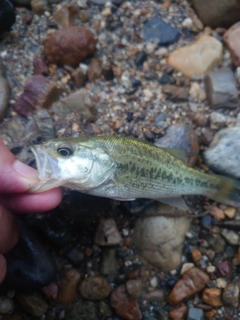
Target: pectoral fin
{"points": [[178, 153], [176, 202]]}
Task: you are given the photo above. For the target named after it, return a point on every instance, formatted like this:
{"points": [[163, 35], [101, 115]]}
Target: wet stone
{"points": [[107, 233], [94, 70], [40, 6], [124, 305], [195, 314], [6, 305], [225, 142], [108, 262], [157, 29], [82, 310], [94, 288], [231, 39], [178, 313], [33, 303], [175, 93], [79, 77], [39, 66], [212, 296], [217, 243], [134, 288], [230, 236], [231, 295], [157, 295], [224, 269], [221, 89], [68, 15], [219, 120], [68, 290], [7, 15], [44, 124]]}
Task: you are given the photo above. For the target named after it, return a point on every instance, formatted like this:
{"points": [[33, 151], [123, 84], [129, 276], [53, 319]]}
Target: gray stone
{"points": [[221, 89], [223, 154], [195, 314], [160, 239], [230, 236], [231, 295], [108, 262], [162, 32], [82, 310], [217, 13], [217, 243], [219, 119], [6, 305], [100, 2], [44, 124], [4, 96]]}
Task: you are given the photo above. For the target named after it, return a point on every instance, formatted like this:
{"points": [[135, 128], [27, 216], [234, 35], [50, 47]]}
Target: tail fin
{"points": [[228, 192]]}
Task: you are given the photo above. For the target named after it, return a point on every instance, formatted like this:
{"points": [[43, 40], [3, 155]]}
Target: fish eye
{"points": [[65, 151]]}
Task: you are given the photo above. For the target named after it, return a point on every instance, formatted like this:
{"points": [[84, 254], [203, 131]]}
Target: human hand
{"points": [[16, 179]]}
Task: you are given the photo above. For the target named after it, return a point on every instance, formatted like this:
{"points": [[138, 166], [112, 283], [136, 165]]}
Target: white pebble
{"points": [[154, 282]]}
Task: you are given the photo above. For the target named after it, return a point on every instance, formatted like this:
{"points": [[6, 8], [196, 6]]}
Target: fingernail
{"points": [[24, 170]]}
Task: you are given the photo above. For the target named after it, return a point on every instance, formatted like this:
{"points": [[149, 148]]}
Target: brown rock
{"points": [[33, 303], [200, 119], [206, 48], [175, 93], [134, 288], [95, 288], [94, 70], [124, 305], [196, 255], [217, 13], [79, 78], [39, 66], [38, 92], [107, 233], [224, 269], [183, 137], [232, 40], [192, 281], [51, 291], [40, 6], [211, 314], [157, 295], [231, 295], [217, 213], [178, 313], [69, 46], [68, 15], [212, 296], [68, 291]]}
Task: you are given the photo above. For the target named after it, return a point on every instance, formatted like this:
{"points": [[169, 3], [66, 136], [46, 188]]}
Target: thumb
{"points": [[15, 176]]}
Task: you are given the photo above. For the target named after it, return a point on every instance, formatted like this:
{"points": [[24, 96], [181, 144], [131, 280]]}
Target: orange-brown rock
{"points": [[192, 281], [68, 292], [178, 313], [124, 305], [232, 40], [94, 70], [196, 255], [213, 296], [211, 314], [69, 46]]}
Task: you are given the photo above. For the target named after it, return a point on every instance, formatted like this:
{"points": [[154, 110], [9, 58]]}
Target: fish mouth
{"points": [[47, 170]]}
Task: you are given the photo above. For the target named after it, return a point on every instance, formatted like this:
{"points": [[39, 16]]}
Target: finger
{"points": [[3, 268], [32, 202], [15, 176], [8, 230]]}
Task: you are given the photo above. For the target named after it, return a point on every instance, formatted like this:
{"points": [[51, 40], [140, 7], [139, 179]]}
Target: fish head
{"points": [[61, 162]]}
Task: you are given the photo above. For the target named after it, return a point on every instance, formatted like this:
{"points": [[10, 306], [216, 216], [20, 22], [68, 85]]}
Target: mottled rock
{"points": [[192, 281], [83, 310], [162, 32], [231, 295], [231, 39], [134, 288], [217, 213], [94, 70], [217, 13], [7, 15], [225, 145], [211, 314], [218, 119], [38, 92], [231, 236], [195, 314], [124, 305], [212, 296], [33, 303], [183, 137], [216, 242], [206, 48], [178, 313], [107, 233], [196, 92], [79, 102], [95, 288], [224, 269], [68, 289], [40, 6], [69, 46], [6, 305], [157, 295], [39, 66], [68, 15], [108, 262], [160, 239], [175, 93], [221, 89], [44, 124]]}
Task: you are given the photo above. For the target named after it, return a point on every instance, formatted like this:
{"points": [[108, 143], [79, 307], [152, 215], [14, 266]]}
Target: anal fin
{"points": [[176, 202]]}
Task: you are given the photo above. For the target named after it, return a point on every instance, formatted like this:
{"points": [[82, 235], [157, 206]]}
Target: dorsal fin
{"points": [[178, 153]]}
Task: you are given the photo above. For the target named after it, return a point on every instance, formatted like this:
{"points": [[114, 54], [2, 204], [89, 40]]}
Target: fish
{"points": [[125, 169]]}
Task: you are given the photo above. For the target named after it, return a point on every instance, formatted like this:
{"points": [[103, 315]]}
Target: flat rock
{"points": [[221, 89], [198, 58], [225, 146], [213, 297], [192, 281], [160, 239], [231, 295], [107, 233], [232, 40], [175, 93], [7, 15], [69, 46], [157, 29], [217, 13], [195, 314], [181, 136]]}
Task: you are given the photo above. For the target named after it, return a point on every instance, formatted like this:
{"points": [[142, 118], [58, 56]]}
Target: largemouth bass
{"points": [[126, 169]]}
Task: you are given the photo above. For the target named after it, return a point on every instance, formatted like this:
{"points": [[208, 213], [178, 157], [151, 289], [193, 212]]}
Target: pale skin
{"points": [[16, 179]]}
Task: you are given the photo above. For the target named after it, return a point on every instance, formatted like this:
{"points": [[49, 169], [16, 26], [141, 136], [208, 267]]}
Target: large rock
{"points": [[232, 40], [217, 13], [7, 15], [223, 154], [69, 46], [160, 239], [221, 89], [198, 58]]}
